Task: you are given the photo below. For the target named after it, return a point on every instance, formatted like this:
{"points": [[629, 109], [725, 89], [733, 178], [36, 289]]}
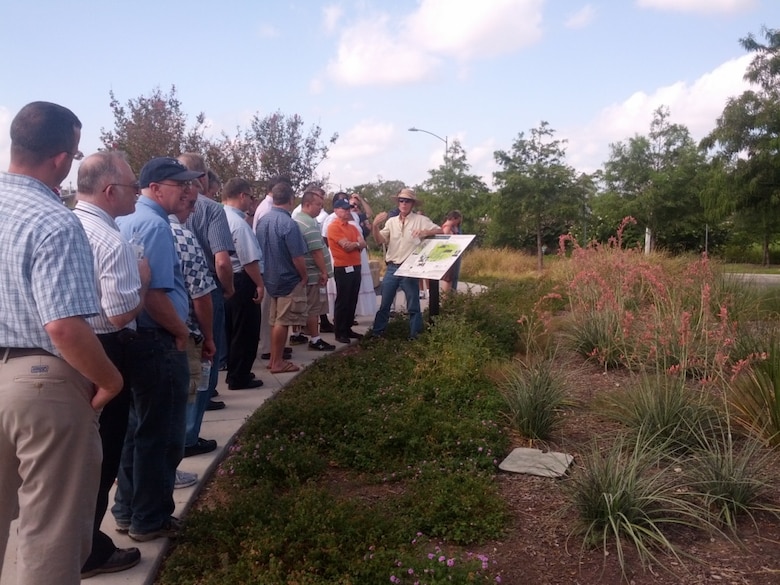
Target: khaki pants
{"points": [[50, 457]]}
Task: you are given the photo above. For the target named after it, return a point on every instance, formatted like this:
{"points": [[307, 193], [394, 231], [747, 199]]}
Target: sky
{"points": [[480, 71]]}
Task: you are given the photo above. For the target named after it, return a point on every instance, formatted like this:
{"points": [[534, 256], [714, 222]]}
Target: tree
{"points": [[746, 145], [281, 148], [452, 186], [657, 180], [150, 126], [379, 193], [537, 193]]}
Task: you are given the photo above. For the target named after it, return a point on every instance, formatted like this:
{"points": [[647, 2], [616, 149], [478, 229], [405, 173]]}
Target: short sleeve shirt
{"points": [[310, 230], [209, 224], [398, 233], [280, 240], [244, 240], [48, 273], [116, 267]]}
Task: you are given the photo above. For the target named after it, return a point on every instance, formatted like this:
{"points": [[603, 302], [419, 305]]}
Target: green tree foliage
{"points": [[150, 126], [451, 186], [538, 197], [657, 180], [277, 144], [746, 145], [283, 148], [379, 193]]}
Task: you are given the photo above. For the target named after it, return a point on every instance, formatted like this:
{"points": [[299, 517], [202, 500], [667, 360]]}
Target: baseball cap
{"points": [[163, 167], [341, 204]]}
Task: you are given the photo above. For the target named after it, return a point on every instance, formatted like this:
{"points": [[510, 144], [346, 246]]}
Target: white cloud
{"points": [[701, 6], [466, 29], [331, 15], [384, 51], [366, 138], [582, 18], [368, 54], [696, 105]]}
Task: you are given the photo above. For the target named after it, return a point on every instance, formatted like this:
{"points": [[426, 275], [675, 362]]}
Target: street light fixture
{"points": [[444, 140]]}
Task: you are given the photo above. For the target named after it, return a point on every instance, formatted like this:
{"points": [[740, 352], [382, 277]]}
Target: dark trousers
{"points": [[113, 426], [242, 322], [347, 292]]}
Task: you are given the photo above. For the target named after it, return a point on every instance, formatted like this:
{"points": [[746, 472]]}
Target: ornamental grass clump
{"points": [[726, 475], [754, 393], [627, 498], [534, 395], [662, 410]]}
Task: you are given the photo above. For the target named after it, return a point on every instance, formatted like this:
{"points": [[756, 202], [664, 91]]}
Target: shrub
{"points": [[534, 395]]}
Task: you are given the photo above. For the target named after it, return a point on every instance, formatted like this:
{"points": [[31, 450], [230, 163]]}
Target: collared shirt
{"points": [[148, 225], [310, 230], [262, 209], [209, 224], [281, 241], [195, 271], [47, 272], [343, 230], [398, 233], [116, 267], [244, 240]]}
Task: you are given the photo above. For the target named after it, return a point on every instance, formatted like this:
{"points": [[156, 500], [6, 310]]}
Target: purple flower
{"points": [[450, 562]]}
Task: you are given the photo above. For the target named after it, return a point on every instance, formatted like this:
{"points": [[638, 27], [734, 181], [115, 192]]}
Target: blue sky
{"points": [[480, 71]]}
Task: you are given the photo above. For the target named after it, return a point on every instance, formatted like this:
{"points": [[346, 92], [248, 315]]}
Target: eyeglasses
{"points": [[78, 155], [354, 206], [405, 200], [136, 187], [183, 184]]}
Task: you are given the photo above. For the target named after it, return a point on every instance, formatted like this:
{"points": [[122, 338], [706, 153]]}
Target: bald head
{"points": [[105, 179]]}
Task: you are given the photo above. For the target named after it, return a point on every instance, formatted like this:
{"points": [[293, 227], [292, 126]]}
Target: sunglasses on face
{"points": [[405, 200]]}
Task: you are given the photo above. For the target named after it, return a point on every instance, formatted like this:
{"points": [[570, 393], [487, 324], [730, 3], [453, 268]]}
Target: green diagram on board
{"points": [[442, 252]]}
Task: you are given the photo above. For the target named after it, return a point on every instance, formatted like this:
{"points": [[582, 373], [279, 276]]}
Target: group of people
{"points": [[116, 319]]}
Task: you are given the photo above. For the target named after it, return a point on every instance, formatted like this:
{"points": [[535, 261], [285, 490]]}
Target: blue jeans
{"points": [[390, 285], [197, 408], [154, 444]]}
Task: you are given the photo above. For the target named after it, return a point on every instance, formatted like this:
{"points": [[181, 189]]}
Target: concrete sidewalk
{"points": [[221, 425]]}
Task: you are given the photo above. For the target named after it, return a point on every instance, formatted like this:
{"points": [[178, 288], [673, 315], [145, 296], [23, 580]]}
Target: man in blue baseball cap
{"points": [[159, 377]]}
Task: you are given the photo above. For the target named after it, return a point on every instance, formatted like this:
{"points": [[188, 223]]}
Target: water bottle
{"points": [[205, 374]]}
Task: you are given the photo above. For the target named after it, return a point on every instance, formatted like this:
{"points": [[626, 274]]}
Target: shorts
{"points": [[316, 301], [291, 309]]}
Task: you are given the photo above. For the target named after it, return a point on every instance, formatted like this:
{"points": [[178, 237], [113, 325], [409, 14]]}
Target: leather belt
{"points": [[17, 352]]}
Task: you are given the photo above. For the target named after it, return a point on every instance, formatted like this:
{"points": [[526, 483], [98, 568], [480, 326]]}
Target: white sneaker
{"points": [[185, 479]]}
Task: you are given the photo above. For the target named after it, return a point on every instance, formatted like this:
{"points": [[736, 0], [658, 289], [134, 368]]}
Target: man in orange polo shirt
{"points": [[345, 242]]}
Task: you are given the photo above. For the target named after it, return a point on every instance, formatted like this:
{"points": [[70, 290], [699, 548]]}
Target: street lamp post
{"points": [[434, 303]]}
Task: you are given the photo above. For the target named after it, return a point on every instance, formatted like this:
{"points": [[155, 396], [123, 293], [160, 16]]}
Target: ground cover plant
{"points": [[379, 464]]}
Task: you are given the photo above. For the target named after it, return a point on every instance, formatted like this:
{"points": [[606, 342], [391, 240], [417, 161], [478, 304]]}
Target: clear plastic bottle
{"points": [[205, 374]]}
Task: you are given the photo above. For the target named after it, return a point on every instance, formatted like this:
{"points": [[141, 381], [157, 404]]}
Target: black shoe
{"points": [[252, 376], [321, 345], [326, 328], [248, 385], [343, 340], [298, 339], [201, 447], [353, 335], [215, 405], [120, 559]]}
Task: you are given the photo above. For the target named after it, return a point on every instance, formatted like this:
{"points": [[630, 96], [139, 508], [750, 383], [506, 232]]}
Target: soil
{"points": [[538, 548]]}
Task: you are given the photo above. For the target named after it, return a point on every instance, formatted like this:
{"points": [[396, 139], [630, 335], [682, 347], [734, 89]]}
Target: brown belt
{"points": [[17, 352]]}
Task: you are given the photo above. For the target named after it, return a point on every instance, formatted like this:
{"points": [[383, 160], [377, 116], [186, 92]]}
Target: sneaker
{"points": [[120, 560], [298, 339], [201, 447], [122, 526], [169, 529], [184, 479], [321, 345]]}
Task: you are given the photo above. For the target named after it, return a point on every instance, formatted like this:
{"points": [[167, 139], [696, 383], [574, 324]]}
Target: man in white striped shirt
{"points": [[107, 188]]}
